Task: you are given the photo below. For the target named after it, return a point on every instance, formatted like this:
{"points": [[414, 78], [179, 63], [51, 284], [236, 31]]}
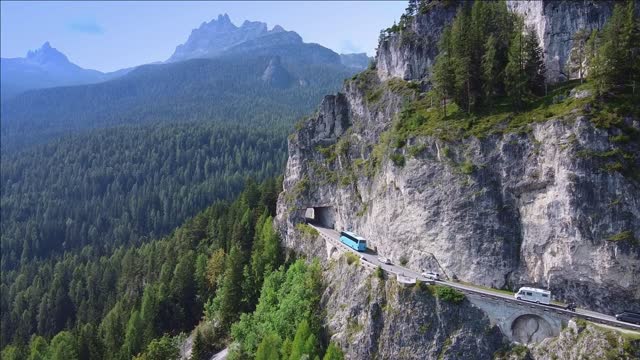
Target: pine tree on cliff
{"points": [[443, 74], [516, 80], [615, 61], [534, 64], [490, 69], [461, 44]]}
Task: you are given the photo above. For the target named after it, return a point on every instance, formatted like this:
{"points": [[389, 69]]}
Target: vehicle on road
{"points": [[629, 316], [353, 241], [431, 275], [384, 260], [571, 306], [539, 296]]}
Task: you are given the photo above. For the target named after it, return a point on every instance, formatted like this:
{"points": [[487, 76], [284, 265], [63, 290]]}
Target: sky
{"points": [[107, 36]]}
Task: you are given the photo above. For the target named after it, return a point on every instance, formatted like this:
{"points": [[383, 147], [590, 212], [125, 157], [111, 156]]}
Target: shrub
{"points": [[379, 273], [403, 260], [352, 258], [449, 294], [398, 160], [306, 230], [467, 167]]}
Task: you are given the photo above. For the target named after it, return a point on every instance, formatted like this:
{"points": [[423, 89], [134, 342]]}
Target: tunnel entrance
{"points": [[322, 216], [530, 328]]}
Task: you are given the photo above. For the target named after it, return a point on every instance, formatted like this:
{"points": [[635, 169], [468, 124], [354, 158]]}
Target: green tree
{"points": [[215, 268], [333, 353], [199, 350], [89, 345], [38, 348], [491, 71], [534, 67], [304, 342], [134, 335], [269, 348], [516, 80], [63, 347], [443, 70], [161, 349]]}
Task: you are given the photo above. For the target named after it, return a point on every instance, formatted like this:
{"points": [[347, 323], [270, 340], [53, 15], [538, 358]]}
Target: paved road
{"points": [[334, 236]]}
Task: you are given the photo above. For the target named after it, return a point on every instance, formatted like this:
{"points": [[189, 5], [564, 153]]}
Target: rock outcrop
{"points": [[276, 75], [409, 54], [371, 318]]}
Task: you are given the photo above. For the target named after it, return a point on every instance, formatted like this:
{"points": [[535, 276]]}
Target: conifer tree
{"points": [[443, 73], [516, 80], [333, 353], [534, 63], [269, 348], [490, 68]]}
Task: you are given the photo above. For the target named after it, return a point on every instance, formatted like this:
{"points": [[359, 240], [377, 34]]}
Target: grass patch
{"points": [[306, 230], [622, 236]]}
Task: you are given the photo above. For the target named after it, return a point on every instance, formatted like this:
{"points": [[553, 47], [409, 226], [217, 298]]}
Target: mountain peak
{"points": [[220, 34], [46, 54]]}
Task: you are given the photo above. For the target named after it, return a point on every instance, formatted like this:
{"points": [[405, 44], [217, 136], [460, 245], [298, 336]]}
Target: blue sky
{"points": [[111, 35]]}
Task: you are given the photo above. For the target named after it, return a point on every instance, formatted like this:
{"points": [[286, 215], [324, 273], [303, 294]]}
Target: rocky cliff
{"points": [[374, 318], [409, 53], [544, 204]]}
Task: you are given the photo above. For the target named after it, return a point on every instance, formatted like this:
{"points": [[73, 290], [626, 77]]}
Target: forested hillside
{"points": [[123, 185], [223, 90], [137, 300]]}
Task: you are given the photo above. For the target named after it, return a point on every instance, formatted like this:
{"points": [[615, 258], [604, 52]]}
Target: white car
{"points": [[384, 260], [431, 275]]}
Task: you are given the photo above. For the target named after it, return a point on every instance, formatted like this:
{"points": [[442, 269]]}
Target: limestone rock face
{"points": [[509, 210], [370, 318], [409, 54], [556, 23]]}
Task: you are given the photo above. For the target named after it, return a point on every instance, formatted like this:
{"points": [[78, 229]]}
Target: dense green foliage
{"points": [[486, 52], [113, 306], [287, 313], [614, 54], [119, 186], [223, 90]]}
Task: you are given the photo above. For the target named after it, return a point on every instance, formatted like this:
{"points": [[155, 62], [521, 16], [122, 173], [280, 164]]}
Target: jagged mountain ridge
{"points": [[220, 37], [46, 67]]}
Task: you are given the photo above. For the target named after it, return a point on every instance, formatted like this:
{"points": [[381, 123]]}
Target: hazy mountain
{"points": [[225, 89], [221, 37], [358, 61], [46, 67]]}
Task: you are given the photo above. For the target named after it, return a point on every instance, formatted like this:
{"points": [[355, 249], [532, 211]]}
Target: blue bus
{"points": [[353, 241]]}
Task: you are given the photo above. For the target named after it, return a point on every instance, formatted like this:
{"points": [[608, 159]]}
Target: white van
{"points": [[539, 296]]}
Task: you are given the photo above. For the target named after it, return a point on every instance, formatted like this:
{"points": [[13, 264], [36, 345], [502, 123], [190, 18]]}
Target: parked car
{"points": [[384, 260], [629, 316], [431, 275]]}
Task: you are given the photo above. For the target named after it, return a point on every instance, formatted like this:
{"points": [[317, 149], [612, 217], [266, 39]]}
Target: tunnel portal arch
{"points": [[321, 215]]}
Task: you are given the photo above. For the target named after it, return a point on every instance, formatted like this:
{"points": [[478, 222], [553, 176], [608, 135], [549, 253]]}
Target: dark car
{"points": [[629, 316]]}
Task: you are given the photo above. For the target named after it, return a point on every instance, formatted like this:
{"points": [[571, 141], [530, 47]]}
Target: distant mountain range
{"points": [[266, 77], [47, 67]]}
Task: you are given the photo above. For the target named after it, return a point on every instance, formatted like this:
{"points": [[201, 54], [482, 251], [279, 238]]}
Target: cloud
{"points": [[86, 26], [348, 47]]}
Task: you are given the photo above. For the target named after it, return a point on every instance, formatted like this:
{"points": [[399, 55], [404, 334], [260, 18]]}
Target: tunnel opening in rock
{"points": [[530, 328], [321, 215]]}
